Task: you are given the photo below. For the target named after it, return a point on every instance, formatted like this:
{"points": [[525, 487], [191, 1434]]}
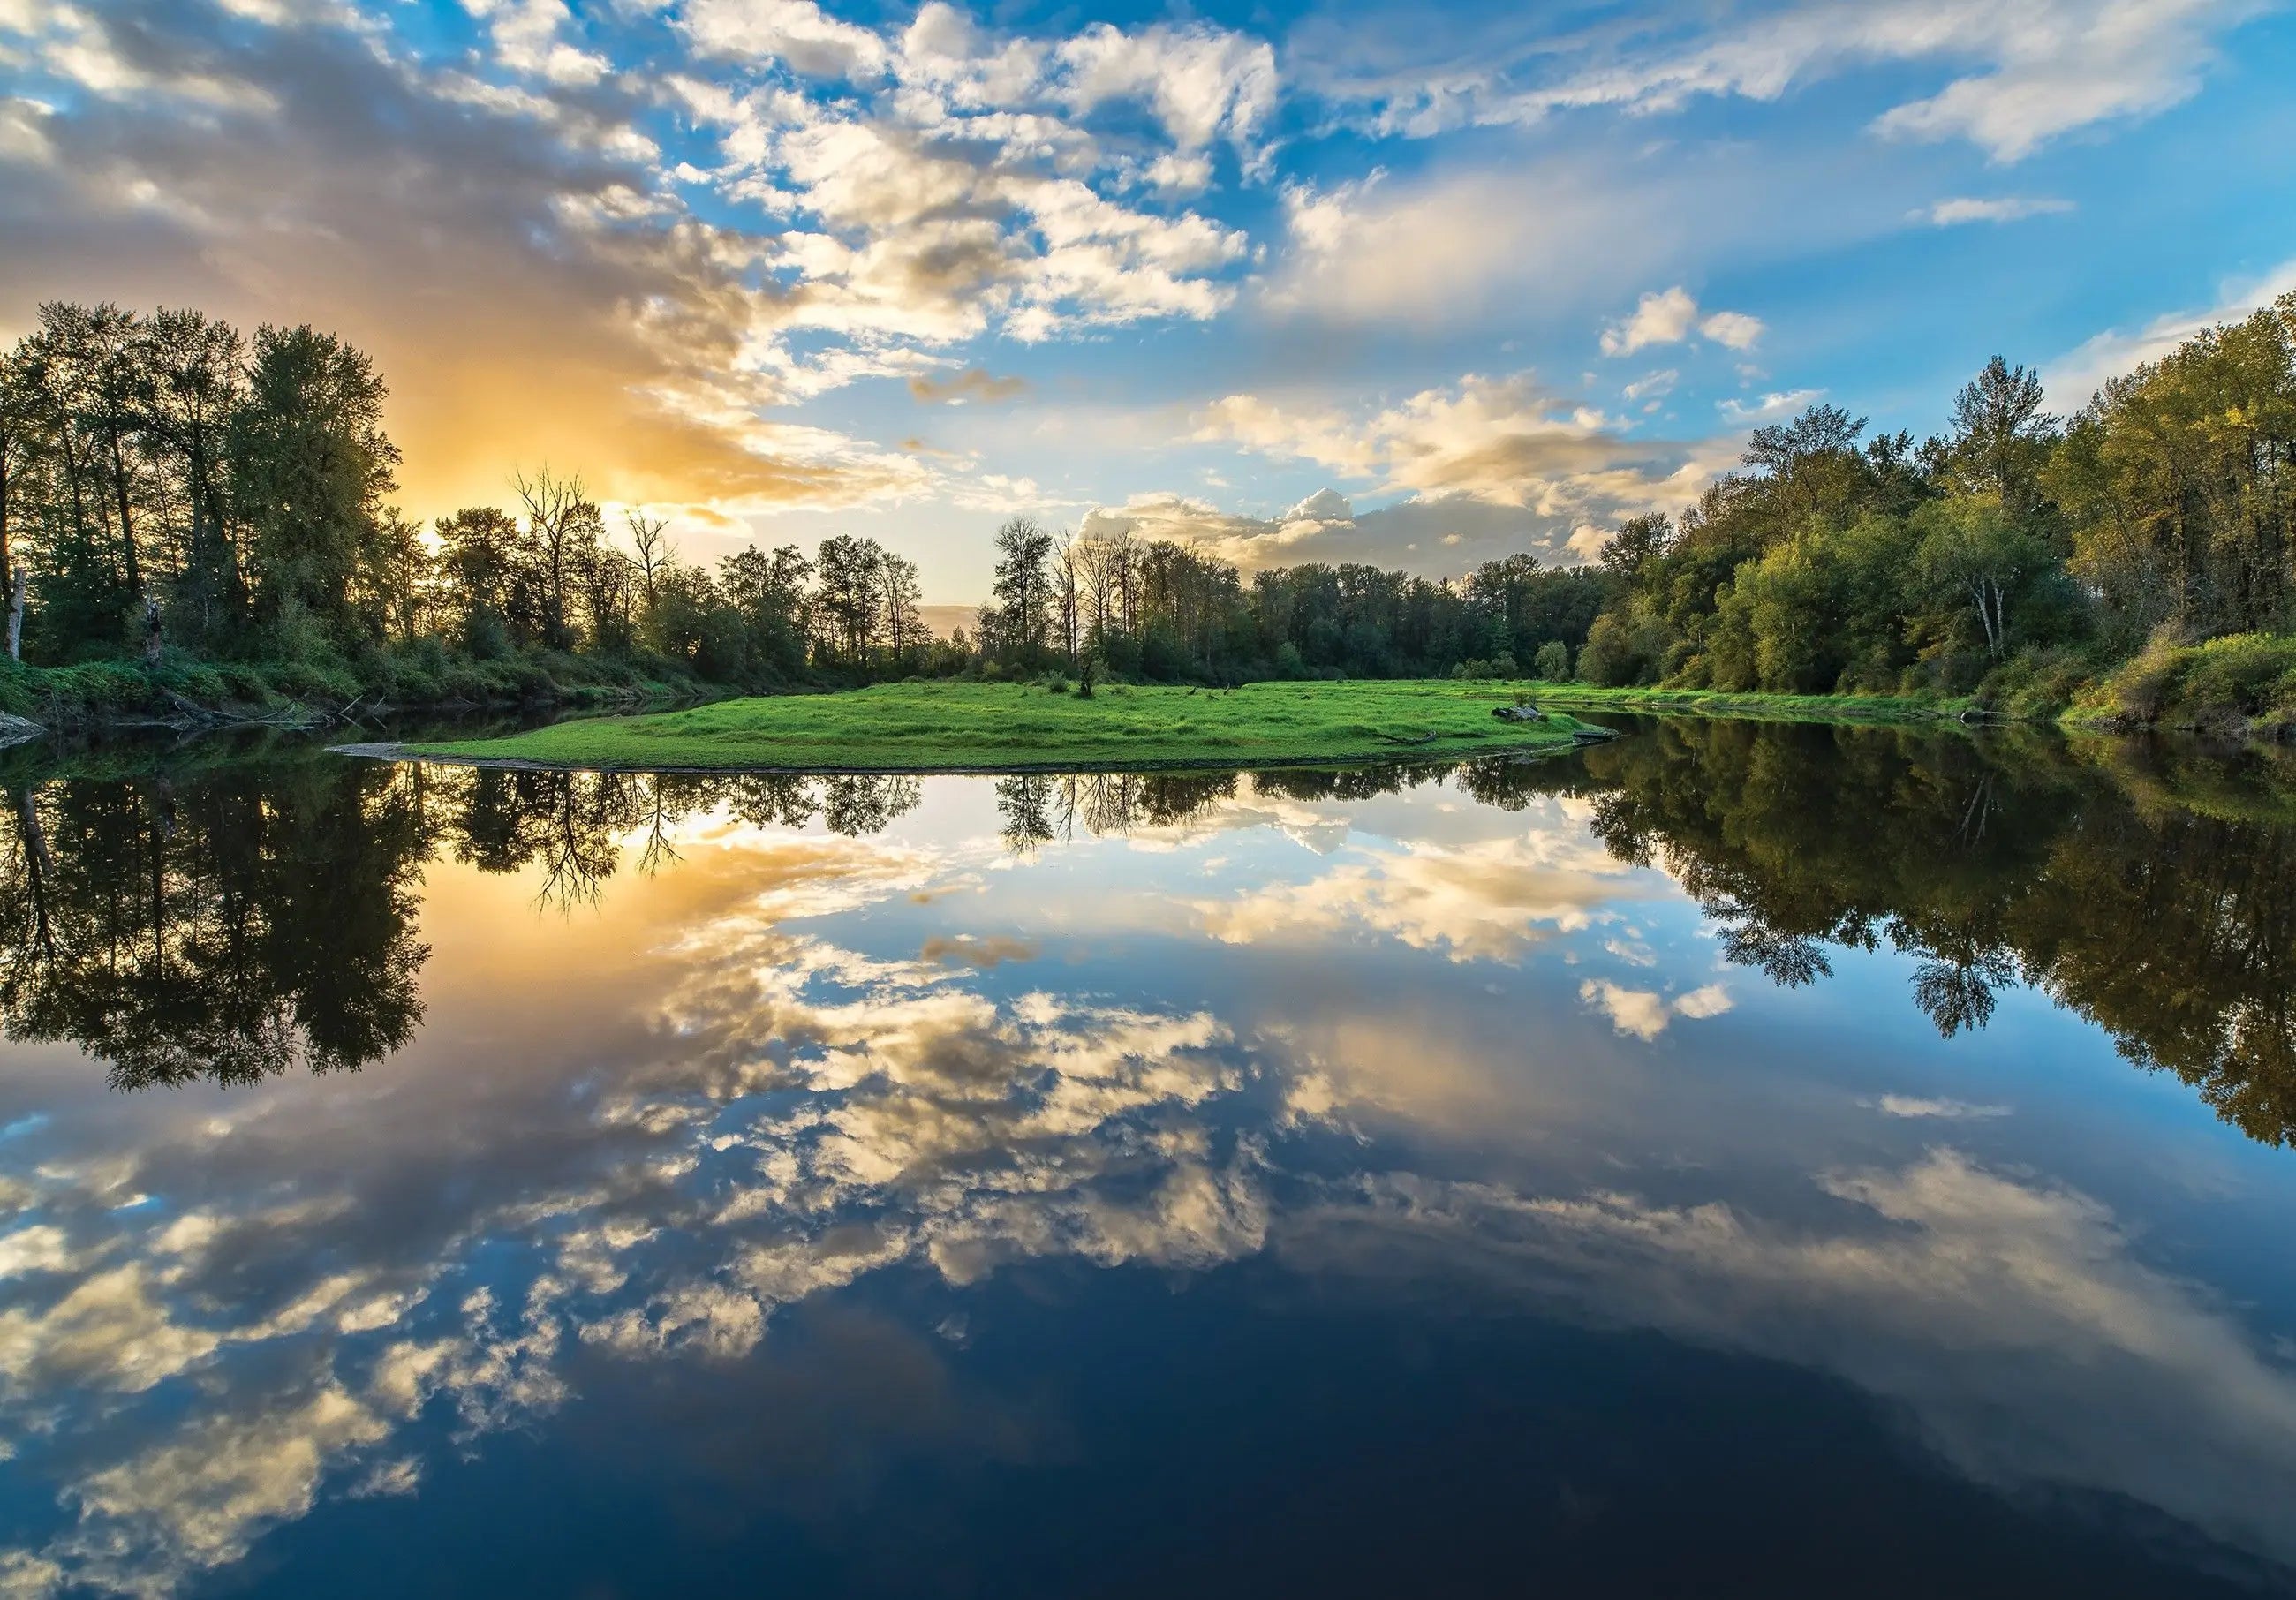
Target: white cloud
{"points": [[1652, 386], [2072, 378], [1487, 901], [2029, 71], [1664, 316], [1733, 329], [796, 32], [1668, 315], [1768, 408], [2012, 1321], [1956, 213], [1202, 82], [1710, 1001]]}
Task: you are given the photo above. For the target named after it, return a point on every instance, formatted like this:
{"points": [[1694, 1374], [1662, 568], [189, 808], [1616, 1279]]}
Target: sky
{"points": [[1341, 281]]}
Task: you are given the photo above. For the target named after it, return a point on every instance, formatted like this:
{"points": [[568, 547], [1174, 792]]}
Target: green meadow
{"points": [[945, 725]]}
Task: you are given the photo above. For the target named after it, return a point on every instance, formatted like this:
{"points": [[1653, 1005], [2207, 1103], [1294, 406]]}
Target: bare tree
{"points": [[652, 545], [1066, 593], [564, 525], [898, 593]]}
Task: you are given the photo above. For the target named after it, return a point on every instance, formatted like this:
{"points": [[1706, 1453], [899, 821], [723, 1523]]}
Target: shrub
{"points": [[2241, 678]]}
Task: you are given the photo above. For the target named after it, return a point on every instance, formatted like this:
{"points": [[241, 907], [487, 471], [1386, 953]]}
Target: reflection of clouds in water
{"points": [[1482, 901], [911, 1118], [794, 1115], [1644, 1013], [1916, 1105], [2010, 1318]]}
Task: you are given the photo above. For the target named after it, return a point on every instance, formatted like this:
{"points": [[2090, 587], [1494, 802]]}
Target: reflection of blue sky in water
{"points": [[1370, 1040]]}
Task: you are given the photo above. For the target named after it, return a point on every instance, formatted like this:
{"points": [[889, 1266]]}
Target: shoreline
{"points": [[1413, 756]]}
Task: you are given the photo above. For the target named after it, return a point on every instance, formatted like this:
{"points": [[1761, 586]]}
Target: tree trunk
{"points": [[150, 631], [7, 554], [16, 617], [38, 866], [127, 524]]}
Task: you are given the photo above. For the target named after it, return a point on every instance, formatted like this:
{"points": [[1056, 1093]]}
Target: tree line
{"points": [[2016, 549], [172, 489]]}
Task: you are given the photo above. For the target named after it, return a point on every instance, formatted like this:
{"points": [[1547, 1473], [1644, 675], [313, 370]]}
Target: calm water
{"points": [[1733, 1161]]}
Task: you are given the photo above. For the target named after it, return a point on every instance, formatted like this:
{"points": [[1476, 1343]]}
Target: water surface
{"points": [[1737, 1159]]}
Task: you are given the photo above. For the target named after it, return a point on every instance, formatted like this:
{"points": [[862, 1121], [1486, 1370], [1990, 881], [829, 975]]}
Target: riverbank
{"points": [[1767, 708], [181, 693], [956, 726]]}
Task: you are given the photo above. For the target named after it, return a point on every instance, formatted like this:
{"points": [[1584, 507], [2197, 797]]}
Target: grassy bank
{"points": [[101, 694], [2240, 686], [1770, 708], [949, 726]]}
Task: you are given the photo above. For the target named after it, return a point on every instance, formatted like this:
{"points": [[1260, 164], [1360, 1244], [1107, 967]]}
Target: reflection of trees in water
{"points": [[234, 923], [230, 929], [1040, 808], [237, 924], [571, 824], [1989, 863]]}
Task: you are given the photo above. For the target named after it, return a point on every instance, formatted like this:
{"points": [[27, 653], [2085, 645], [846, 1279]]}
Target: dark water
{"points": [[1738, 1160]]}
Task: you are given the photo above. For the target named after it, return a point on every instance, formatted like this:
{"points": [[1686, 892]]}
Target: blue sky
{"points": [[1414, 284]]}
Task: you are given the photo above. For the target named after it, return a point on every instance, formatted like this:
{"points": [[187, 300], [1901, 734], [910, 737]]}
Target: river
{"points": [[1738, 1159]]}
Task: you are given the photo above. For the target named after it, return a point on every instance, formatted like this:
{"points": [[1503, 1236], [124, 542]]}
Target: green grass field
{"points": [[955, 725]]}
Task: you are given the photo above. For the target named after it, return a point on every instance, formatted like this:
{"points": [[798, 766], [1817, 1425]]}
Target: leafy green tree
{"points": [[1973, 551], [1017, 622], [311, 466], [2002, 439]]}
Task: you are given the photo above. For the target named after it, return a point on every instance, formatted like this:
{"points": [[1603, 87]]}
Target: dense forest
{"points": [[214, 509]]}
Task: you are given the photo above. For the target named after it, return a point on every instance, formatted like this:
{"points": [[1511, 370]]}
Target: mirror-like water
{"points": [[1735, 1159]]}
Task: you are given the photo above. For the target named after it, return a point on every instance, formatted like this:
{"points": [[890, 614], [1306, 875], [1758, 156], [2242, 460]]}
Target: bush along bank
{"points": [[180, 692]]}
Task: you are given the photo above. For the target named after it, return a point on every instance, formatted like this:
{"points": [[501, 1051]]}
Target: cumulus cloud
{"points": [[1669, 316], [1488, 900], [278, 162], [1482, 466]]}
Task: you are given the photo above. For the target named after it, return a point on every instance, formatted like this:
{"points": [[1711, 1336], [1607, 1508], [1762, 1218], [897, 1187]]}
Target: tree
{"points": [[1021, 609], [2001, 436], [479, 556], [566, 527], [311, 465], [1973, 550], [196, 381], [15, 466], [847, 596], [1067, 594], [898, 593], [1639, 539], [653, 548]]}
